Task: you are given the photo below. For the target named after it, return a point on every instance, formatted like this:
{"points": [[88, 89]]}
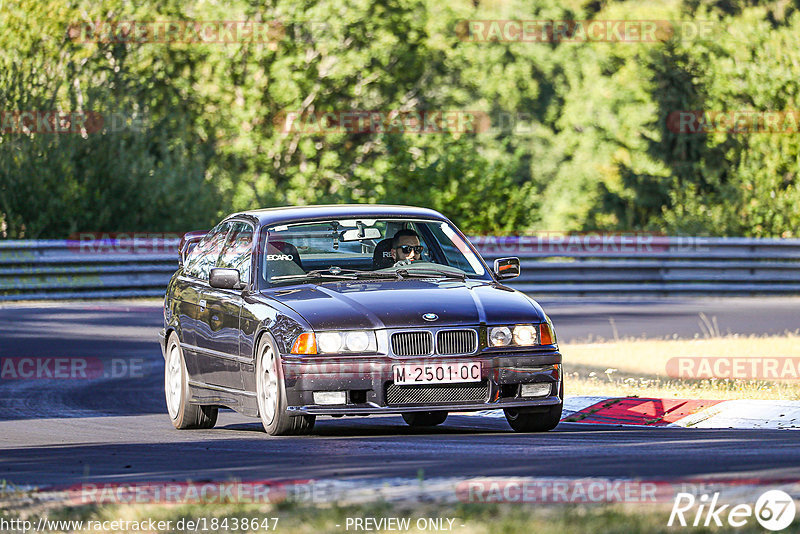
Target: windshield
{"points": [[367, 248]]}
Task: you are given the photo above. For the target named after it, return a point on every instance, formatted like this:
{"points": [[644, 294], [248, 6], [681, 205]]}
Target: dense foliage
{"points": [[579, 137]]}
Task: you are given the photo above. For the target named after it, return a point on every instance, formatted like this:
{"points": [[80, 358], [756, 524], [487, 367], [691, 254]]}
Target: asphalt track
{"points": [[61, 432]]}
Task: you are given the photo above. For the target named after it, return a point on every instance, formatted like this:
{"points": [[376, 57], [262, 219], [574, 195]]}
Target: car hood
{"points": [[402, 303]]}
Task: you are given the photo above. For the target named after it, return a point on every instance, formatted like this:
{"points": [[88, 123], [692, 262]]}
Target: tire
{"points": [[183, 414], [522, 421], [422, 419], [271, 395]]}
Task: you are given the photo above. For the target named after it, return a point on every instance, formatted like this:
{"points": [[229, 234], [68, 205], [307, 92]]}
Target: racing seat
{"points": [[382, 255], [282, 259]]}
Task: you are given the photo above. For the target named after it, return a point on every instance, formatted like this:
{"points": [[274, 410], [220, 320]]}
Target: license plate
{"points": [[437, 373]]}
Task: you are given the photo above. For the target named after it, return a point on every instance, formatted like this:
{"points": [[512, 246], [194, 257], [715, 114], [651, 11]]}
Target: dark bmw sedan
{"points": [[292, 313]]}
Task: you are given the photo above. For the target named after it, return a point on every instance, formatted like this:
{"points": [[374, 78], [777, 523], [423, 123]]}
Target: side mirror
{"points": [[505, 268], [225, 279]]}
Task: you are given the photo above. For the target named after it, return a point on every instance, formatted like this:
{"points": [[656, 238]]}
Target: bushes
{"points": [[579, 139]]}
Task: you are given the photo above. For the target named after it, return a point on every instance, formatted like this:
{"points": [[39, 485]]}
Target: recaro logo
{"points": [[280, 257]]}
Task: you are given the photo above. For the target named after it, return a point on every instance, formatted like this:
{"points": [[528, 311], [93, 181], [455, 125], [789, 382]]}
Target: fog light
{"points": [[330, 397], [535, 390]]}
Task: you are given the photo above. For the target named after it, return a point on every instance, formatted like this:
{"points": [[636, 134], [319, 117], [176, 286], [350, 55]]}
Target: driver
{"points": [[406, 247]]}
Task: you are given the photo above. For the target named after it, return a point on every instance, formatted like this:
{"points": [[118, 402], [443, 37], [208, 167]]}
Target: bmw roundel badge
{"points": [[430, 316]]}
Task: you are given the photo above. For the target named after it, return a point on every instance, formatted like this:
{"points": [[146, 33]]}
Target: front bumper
{"points": [[367, 379]]}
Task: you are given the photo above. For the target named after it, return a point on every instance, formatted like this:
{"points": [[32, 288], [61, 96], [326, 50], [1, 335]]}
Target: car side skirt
{"points": [[243, 402]]}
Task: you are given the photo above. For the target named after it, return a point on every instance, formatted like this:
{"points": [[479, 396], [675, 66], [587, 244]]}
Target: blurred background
{"points": [[578, 141]]}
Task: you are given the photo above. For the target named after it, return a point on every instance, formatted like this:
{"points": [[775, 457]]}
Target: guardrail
{"points": [[651, 265], [62, 269], [553, 265]]}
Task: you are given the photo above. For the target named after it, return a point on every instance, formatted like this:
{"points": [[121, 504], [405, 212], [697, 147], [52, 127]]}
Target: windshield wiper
{"points": [[428, 272], [312, 274], [337, 273]]}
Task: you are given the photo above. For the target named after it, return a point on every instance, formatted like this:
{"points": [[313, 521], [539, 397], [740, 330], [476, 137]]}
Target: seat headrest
{"points": [[382, 256], [282, 259]]}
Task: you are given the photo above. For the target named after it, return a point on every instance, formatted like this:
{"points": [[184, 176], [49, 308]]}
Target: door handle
{"points": [[202, 304]]}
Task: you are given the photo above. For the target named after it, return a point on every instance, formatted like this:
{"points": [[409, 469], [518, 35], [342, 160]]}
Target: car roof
{"points": [[288, 214]]}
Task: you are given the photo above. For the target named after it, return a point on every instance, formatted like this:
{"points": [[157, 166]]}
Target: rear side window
{"points": [[237, 251], [204, 256]]}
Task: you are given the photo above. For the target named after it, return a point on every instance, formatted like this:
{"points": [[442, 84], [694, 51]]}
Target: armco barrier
{"points": [[647, 264], [61, 269], [566, 265]]}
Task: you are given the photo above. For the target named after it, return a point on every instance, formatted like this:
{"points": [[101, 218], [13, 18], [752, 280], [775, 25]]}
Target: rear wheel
{"points": [[420, 419], [271, 395], [176, 389], [522, 421]]}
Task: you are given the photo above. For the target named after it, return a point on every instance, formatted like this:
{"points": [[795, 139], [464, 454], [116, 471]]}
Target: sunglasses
{"points": [[408, 248]]}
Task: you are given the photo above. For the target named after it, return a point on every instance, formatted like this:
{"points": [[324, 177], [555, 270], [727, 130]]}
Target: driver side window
{"points": [[237, 251]]}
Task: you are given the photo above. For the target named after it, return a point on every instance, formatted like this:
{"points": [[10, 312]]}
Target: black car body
{"points": [[315, 320]]}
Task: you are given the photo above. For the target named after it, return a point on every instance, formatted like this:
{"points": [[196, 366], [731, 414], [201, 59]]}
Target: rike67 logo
{"points": [[774, 510]]}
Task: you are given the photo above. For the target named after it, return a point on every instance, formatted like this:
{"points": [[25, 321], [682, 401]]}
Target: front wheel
{"points": [[522, 421], [271, 395], [420, 419], [176, 389]]}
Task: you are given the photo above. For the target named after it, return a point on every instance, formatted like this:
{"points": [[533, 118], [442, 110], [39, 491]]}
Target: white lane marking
{"points": [[746, 414]]}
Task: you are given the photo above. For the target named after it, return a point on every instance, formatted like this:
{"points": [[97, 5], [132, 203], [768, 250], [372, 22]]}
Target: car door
{"points": [[195, 307], [219, 333]]}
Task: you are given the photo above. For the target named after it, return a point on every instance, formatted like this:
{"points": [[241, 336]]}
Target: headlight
{"points": [[524, 334], [329, 341], [500, 336], [356, 341], [352, 341], [519, 335]]}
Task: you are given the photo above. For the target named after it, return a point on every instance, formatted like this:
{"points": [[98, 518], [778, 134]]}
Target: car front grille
{"points": [[412, 343], [436, 394], [456, 341], [448, 342]]}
